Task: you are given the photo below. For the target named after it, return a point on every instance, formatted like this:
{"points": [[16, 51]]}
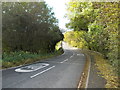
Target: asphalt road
{"points": [[62, 72]]}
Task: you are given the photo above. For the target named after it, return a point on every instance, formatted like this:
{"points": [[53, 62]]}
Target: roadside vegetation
{"points": [[30, 32], [95, 27], [21, 58], [105, 69]]}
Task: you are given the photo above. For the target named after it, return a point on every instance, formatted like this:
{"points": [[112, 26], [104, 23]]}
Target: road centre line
{"points": [[67, 59], [64, 61], [71, 56], [42, 72]]}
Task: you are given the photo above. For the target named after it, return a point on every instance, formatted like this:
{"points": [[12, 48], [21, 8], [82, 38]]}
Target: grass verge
{"points": [[21, 58], [106, 70]]}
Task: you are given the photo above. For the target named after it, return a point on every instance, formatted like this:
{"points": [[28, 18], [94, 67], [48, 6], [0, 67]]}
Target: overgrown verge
{"points": [[21, 58], [106, 70]]}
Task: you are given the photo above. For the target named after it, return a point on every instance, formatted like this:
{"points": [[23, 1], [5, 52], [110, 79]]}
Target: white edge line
{"points": [[13, 67], [88, 75], [63, 53], [42, 72]]}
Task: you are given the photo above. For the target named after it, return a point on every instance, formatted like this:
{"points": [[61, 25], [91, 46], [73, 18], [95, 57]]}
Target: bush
{"points": [[20, 58]]}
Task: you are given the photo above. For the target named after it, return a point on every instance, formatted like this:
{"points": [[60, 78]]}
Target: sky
{"points": [[59, 8]]}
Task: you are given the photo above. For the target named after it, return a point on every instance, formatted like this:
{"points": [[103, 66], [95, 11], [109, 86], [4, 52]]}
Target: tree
{"points": [[100, 20], [80, 15], [29, 27]]}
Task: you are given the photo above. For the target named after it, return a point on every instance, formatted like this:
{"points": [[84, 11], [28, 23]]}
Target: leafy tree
{"points": [[76, 39], [29, 27], [80, 15], [100, 21]]}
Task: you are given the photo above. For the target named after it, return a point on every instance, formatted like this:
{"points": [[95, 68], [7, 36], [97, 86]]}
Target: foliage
{"points": [[29, 26], [101, 31], [75, 38], [80, 15], [96, 37], [102, 27], [20, 58], [58, 45], [107, 71]]}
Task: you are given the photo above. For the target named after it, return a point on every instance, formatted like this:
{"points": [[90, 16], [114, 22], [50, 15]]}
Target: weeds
{"points": [[107, 71], [20, 58]]}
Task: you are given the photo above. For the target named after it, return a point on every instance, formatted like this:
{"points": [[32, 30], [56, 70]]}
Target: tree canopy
{"points": [[80, 15], [99, 21], [29, 26]]}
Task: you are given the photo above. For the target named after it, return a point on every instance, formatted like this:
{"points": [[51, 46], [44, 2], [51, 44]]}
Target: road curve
{"points": [[62, 72]]}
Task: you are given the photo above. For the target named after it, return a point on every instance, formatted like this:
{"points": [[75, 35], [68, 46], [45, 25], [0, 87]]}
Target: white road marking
{"points": [[41, 72], [64, 61], [31, 68], [86, 86], [63, 53], [71, 56], [80, 54]]}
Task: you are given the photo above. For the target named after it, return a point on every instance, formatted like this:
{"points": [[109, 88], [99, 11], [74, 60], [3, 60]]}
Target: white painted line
{"points": [[64, 61], [80, 54], [11, 68], [71, 56], [63, 53], [34, 67], [86, 86], [41, 72]]}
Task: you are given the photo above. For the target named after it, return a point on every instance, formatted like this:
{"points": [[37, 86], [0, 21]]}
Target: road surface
{"points": [[59, 72]]}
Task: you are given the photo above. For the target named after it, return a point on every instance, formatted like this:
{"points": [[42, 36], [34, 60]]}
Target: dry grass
{"points": [[106, 70]]}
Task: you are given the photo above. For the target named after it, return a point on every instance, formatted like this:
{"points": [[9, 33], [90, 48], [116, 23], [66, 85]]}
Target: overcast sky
{"points": [[59, 8]]}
